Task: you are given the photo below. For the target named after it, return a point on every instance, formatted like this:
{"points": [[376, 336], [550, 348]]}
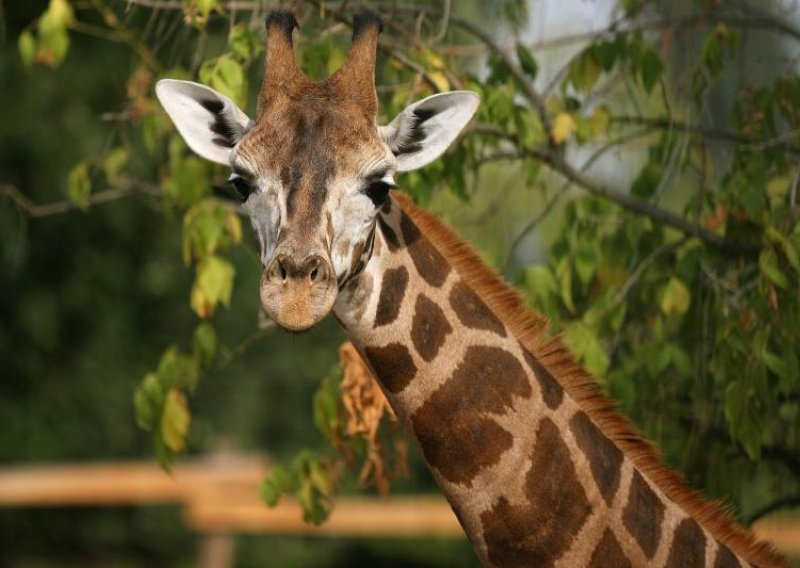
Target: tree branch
{"points": [[33, 210], [784, 139], [629, 202]]}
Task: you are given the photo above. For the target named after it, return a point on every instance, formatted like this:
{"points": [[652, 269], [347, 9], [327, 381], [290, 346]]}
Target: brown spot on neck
{"points": [[393, 290], [688, 547], [429, 329], [643, 515], [431, 265], [539, 531], [552, 392], [608, 553], [472, 311], [393, 365], [456, 436], [388, 234], [605, 459]]}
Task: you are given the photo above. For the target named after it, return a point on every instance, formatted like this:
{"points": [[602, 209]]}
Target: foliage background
{"points": [[638, 183]]}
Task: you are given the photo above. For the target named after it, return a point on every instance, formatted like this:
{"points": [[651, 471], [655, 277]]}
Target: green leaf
{"points": [[646, 183], [59, 15], [564, 276], [584, 341], [226, 75], [27, 48], [213, 285], [243, 43], [164, 454], [743, 422], [176, 370], [53, 41], [187, 182], [115, 160], [527, 61], [79, 186], [280, 481], [775, 236], [204, 344], [676, 297], [651, 68], [335, 59], [148, 401], [175, 420], [584, 72], [563, 127], [768, 263], [327, 407]]}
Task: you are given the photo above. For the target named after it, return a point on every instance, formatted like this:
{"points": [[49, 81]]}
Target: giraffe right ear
{"points": [[210, 122], [426, 128]]}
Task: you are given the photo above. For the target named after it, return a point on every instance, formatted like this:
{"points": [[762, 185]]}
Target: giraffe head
{"points": [[313, 168]]}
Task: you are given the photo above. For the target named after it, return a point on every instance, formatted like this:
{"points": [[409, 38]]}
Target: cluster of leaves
{"points": [[160, 399], [49, 44], [355, 418], [683, 332]]}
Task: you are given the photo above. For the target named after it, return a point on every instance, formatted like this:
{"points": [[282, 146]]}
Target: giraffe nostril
{"points": [[282, 270], [314, 274]]}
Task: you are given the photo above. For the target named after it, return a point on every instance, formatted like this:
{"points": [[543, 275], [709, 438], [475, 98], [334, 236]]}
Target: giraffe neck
{"points": [[537, 467]]}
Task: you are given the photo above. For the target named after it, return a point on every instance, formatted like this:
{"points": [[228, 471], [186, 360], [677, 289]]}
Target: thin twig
{"points": [[637, 274], [33, 210], [746, 141]]}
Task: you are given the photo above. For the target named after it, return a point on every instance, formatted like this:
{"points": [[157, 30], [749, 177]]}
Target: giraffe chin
{"points": [[297, 307]]}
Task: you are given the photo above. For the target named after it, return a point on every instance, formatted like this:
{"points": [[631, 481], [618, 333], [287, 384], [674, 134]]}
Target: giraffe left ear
{"points": [[210, 123], [426, 128]]}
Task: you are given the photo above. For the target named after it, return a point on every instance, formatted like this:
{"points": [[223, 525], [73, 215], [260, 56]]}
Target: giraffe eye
{"points": [[377, 191], [242, 187]]}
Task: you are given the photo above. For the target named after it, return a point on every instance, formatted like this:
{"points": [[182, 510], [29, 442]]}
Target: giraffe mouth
{"points": [[298, 295]]}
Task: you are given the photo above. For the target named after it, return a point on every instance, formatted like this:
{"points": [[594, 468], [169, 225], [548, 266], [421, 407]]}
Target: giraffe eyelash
{"points": [[378, 190], [241, 186]]}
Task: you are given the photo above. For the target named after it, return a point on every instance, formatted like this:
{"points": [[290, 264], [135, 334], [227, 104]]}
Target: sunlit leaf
{"points": [[148, 401], [768, 263], [563, 127], [27, 48], [79, 185], [213, 285], [583, 340], [115, 161], [676, 297], [584, 72], [175, 420], [243, 42]]}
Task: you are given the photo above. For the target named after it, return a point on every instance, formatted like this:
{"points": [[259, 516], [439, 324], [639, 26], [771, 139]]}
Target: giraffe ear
{"points": [[210, 122], [426, 128]]}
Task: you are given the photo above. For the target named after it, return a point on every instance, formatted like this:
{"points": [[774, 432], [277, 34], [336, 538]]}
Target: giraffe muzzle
{"points": [[298, 294]]}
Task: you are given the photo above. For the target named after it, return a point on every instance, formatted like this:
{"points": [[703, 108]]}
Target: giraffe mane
{"points": [[531, 328]]}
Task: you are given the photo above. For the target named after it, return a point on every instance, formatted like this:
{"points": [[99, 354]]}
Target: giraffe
{"points": [[536, 464]]}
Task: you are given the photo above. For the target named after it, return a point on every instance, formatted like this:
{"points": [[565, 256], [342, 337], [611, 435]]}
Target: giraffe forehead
{"points": [[309, 133]]}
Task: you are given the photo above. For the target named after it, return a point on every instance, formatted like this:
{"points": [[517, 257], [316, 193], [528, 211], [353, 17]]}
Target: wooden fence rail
{"points": [[220, 496]]}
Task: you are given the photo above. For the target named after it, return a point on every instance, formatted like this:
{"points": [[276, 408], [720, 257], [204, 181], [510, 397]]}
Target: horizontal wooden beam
{"points": [[123, 483], [220, 495], [401, 516]]}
